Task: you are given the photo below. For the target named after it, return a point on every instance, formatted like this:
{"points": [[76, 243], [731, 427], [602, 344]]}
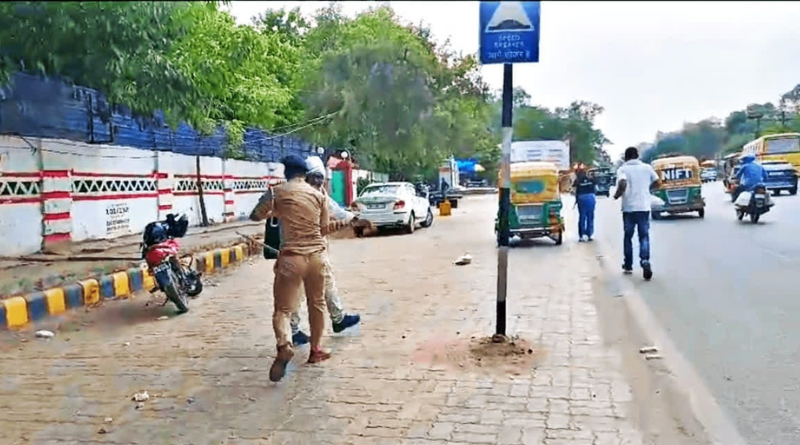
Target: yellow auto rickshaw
{"points": [[535, 202], [681, 187]]}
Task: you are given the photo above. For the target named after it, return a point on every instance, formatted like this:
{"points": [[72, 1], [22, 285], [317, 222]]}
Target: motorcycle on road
{"points": [[173, 275], [755, 203]]}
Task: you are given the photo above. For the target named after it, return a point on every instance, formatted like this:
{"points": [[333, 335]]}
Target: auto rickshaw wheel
{"points": [[701, 213], [655, 215], [559, 238]]}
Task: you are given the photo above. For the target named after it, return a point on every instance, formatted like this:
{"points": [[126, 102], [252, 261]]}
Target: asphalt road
{"points": [[727, 293]]}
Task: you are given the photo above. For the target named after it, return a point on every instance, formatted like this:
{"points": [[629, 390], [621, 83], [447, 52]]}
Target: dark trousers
{"points": [[639, 222], [586, 204]]}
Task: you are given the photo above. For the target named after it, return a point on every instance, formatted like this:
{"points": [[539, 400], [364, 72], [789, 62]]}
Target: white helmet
{"points": [[314, 165]]}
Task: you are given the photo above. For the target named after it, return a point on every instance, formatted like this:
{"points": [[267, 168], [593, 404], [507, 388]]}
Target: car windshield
{"points": [[383, 189]]}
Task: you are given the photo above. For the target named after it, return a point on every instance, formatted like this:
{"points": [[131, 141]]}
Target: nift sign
{"points": [[676, 174]]}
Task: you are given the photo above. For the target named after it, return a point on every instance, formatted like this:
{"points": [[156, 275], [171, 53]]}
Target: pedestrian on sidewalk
{"points": [[634, 182], [585, 189], [339, 319], [303, 214]]}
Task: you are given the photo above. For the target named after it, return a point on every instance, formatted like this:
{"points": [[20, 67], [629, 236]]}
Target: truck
{"points": [[447, 185]]}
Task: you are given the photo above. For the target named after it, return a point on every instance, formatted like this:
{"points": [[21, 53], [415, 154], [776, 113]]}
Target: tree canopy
{"points": [[383, 89], [713, 137]]}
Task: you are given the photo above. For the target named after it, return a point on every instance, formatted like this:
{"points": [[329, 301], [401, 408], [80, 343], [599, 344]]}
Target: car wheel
{"points": [[793, 190], [776, 192], [428, 219], [358, 232], [453, 203], [412, 224]]}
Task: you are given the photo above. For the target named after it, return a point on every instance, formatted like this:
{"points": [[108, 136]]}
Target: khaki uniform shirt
{"points": [[304, 215]]}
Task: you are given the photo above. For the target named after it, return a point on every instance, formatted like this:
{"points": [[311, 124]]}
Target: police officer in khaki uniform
{"points": [[303, 212]]}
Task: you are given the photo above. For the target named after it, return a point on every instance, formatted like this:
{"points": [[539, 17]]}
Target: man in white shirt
{"points": [[634, 180]]}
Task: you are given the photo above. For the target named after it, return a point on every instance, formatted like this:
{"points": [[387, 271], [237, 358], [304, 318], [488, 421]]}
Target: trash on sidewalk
{"points": [[141, 397], [163, 317], [648, 349], [463, 260], [45, 334], [652, 356]]}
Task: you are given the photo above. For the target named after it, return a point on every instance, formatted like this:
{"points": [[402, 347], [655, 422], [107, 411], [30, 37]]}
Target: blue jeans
{"points": [[586, 203], [639, 221]]}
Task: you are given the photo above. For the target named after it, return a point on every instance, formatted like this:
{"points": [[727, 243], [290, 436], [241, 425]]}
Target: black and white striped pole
{"points": [[509, 33], [503, 230]]}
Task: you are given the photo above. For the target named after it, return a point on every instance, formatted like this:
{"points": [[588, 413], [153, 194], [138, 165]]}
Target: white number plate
{"points": [[375, 206], [760, 196], [161, 267]]}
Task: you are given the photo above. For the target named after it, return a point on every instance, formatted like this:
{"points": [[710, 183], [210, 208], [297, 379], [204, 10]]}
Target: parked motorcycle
{"points": [[755, 203], [174, 276]]}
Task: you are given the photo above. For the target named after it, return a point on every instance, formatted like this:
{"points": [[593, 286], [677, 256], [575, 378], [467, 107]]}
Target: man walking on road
{"points": [[635, 178], [339, 320], [303, 213]]}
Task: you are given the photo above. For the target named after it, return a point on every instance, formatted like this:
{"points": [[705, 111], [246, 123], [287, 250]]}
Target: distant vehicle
{"points": [[708, 174], [394, 204], [781, 176], [476, 183], [603, 179], [776, 147]]}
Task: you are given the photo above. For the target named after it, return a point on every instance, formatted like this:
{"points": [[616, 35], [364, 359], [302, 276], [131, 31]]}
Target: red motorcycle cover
{"points": [[160, 252]]}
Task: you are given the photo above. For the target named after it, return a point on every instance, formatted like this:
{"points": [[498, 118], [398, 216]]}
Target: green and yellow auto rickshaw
{"points": [[535, 202], [681, 187]]}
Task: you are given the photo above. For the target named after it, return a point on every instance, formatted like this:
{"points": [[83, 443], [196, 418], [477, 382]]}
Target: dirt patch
{"points": [[513, 356]]}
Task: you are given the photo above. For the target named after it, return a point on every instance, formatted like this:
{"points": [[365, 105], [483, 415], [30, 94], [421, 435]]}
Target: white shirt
{"points": [[638, 177]]}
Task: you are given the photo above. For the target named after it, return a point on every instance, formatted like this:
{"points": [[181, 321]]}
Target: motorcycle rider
{"points": [[339, 319], [749, 175]]}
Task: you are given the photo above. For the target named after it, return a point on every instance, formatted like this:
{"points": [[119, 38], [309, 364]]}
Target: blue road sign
{"points": [[510, 32]]}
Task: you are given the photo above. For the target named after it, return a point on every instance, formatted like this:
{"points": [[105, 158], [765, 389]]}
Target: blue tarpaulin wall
{"points": [[466, 165], [50, 108]]}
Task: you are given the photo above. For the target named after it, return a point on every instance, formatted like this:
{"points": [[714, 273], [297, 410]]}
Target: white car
{"points": [[394, 204]]}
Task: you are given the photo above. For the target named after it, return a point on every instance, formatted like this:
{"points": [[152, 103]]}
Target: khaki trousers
{"points": [[332, 299], [292, 271]]}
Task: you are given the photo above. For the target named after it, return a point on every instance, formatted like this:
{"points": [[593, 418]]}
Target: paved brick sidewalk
{"points": [[207, 370]]}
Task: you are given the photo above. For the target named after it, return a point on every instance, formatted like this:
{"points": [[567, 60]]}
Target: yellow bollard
{"points": [[444, 208]]}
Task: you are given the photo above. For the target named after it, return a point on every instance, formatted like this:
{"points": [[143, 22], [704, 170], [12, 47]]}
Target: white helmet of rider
{"points": [[314, 165]]}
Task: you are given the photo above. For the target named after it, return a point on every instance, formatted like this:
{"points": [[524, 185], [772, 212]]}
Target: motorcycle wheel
{"points": [[175, 295], [739, 215], [754, 217]]}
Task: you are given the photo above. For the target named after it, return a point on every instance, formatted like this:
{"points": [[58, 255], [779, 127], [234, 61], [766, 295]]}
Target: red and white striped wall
{"points": [[230, 198], [56, 207], [164, 183]]}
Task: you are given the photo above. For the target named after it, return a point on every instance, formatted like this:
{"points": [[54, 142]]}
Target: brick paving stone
{"points": [[206, 371]]}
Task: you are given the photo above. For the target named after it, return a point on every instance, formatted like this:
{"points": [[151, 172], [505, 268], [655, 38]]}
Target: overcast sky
{"points": [[652, 65]]}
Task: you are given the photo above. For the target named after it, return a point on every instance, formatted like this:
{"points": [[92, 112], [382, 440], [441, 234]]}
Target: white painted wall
{"points": [[114, 190]]}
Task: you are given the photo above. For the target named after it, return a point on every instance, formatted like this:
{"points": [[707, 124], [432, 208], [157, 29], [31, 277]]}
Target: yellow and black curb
{"points": [[17, 312]]}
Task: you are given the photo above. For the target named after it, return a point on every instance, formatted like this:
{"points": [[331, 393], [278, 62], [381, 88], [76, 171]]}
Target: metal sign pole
{"points": [[509, 33], [503, 231]]}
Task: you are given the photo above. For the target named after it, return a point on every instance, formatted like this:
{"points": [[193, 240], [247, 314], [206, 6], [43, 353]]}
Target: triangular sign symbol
{"points": [[509, 17]]}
